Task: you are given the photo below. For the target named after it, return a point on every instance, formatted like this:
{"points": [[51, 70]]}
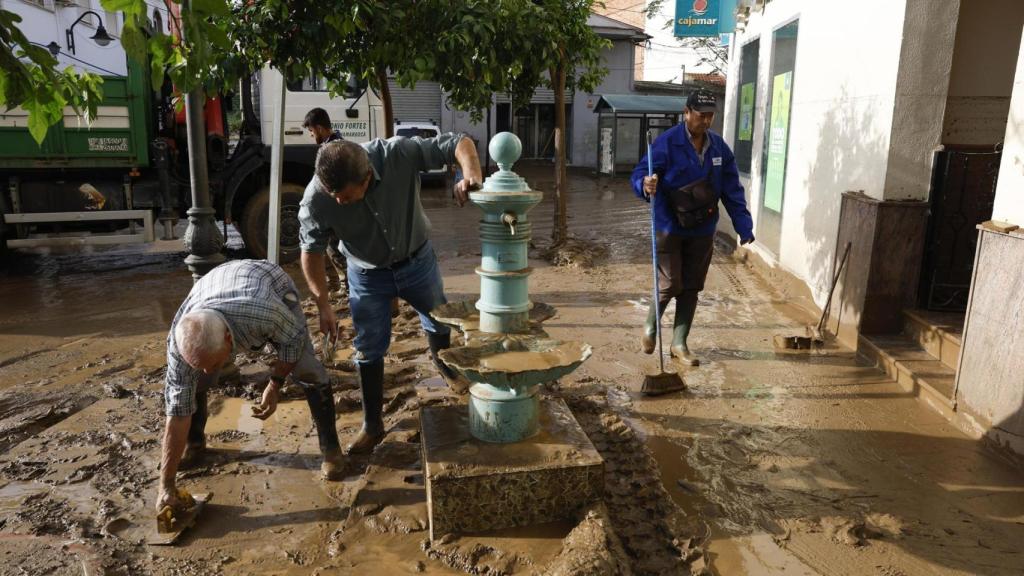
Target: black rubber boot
{"points": [[371, 384], [320, 398], [197, 428], [321, 407], [195, 448], [439, 342], [686, 307]]}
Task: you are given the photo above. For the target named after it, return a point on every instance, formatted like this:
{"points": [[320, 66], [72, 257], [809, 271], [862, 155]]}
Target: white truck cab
{"points": [[358, 114]]}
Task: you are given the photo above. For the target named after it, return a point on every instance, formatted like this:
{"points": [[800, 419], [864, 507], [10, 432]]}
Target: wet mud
{"points": [[769, 463]]}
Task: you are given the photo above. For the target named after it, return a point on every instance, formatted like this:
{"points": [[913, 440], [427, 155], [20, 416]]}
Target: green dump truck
{"points": [[124, 175]]}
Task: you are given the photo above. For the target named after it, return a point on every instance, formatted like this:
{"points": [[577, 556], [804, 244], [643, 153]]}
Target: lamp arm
{"points": [[69, 33], [84, 14]]}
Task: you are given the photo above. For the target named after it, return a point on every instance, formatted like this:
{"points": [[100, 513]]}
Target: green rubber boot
{"points": [[649, 338], [686, 308]]}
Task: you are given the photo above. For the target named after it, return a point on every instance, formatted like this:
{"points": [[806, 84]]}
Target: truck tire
{"points": [[253, 226]]}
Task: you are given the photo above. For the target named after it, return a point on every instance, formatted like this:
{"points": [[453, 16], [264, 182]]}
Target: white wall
{"points": [[979, 95], [840, 121], [665, 58], [43, 26], [1009, 204], [619, 61], [925, 63]]}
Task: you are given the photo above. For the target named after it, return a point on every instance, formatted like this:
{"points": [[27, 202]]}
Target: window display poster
{"points": [[778, 131], [747, 111]]}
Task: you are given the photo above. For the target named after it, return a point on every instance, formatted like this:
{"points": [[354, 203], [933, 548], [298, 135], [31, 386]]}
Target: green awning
{"points": [[639, 104]]}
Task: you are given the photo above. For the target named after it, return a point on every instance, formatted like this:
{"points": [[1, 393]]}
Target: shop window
{"points": [[746, 106], [776, 144]]}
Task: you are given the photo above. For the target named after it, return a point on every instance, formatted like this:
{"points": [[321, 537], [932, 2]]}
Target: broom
{"points": [[662, 382], [813, 336]]}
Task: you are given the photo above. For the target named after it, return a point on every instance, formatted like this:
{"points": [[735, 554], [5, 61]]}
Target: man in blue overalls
{"points": [[694, 169]]}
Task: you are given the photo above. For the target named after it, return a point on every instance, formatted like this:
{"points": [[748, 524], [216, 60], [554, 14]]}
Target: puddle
{"points": [[228, 414], [757, 554], [731, 553], [432, 389], [13, 494], [682, 482]]}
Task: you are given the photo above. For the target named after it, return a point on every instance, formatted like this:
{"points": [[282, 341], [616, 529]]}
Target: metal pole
{"points": [[487, 152], [202, 238], [276, 157]]}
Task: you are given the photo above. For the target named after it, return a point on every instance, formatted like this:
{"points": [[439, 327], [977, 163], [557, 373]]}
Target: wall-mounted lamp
{"points": [[100, 37]]}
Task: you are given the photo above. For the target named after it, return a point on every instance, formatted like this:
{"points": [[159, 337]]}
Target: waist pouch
{"points": [[695, 203]]}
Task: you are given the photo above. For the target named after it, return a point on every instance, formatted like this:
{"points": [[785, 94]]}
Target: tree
{"points": [[473, 48], [711, 52], [570, 51], [29, 78]]}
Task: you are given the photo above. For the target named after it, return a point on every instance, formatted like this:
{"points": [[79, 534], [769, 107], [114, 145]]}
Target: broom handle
{"points": [[654, 257]]}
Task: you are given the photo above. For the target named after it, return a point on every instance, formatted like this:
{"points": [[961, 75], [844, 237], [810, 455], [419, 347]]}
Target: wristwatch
{"points": [[279, 380]]}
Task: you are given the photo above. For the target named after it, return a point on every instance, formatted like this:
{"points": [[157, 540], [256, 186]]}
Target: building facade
{"points": [[887, 126], [535, 123]]}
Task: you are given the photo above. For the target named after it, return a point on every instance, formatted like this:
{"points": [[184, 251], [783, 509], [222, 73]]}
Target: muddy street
{"points": [[770, 462]]}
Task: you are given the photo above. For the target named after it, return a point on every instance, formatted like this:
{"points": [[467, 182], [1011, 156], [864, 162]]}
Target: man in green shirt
{"points": [[369, 196]]}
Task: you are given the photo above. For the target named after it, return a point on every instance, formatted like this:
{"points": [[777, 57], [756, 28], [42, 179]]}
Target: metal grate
{"points": [[963, 192]]}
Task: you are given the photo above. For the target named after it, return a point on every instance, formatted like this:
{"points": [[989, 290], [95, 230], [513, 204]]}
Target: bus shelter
{"points": [[623, 124]]}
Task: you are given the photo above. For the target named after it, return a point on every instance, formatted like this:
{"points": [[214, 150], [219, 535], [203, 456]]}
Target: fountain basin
{"points": [[517, 362], [465, 316]]}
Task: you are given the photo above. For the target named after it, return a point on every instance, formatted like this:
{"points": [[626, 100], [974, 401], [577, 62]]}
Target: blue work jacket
{"points": [[676, 164]]}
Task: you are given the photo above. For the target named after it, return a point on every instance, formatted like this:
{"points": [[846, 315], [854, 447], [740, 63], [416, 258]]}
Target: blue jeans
{"points": [[370, 291]]}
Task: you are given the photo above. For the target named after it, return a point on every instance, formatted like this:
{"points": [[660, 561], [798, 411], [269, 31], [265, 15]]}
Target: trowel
{"points": [[171, 524]]}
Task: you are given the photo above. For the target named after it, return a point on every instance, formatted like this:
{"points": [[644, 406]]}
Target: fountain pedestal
{"points": [[473, 486]]}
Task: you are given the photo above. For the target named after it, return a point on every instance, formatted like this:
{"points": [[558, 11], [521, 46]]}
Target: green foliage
{"points": [[571, 43], [29, 78], [201, 54], [473, 48]]}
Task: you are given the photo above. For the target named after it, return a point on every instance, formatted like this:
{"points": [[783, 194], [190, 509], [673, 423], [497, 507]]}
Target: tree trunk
{"points": [[385, 96], [560, 230]]}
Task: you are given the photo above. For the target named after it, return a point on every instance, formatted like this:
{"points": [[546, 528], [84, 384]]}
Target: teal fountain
{"points": [[515, 457], [507, 355]]}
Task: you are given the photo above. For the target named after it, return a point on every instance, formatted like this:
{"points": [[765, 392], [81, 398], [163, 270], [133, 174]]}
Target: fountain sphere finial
{"points": [[506, 149]]}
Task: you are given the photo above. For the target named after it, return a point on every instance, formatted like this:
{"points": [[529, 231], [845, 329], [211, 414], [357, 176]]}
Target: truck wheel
{"points": [[253, 226]]}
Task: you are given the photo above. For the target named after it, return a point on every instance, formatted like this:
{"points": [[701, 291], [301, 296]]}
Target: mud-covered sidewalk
{"points": [[769, 464]]}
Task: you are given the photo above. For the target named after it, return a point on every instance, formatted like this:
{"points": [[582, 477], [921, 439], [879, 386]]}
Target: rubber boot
{"points": [[321, 407], [649, 338], [457, 382], [371, 384], [195, 449], [686, 307]]}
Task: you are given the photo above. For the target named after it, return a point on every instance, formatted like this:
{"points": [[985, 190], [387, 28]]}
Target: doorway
{"points": [[965, 170], [535, 126]]}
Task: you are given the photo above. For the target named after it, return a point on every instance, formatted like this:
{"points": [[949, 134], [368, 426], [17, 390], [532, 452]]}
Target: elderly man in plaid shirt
{"points": [[239, 306]]}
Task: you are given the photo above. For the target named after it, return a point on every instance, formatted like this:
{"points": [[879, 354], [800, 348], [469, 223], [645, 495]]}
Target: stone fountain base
{"points": [[473, 486]]}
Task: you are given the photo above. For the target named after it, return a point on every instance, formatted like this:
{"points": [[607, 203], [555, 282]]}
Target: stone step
{"points": [[913, 368], [938, 333]]}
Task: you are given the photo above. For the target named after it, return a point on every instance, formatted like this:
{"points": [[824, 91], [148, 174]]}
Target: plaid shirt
{"points": [[259, 303]]}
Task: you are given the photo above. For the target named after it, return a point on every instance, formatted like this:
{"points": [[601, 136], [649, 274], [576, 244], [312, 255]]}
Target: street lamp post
{"points": [[203, 239]]}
